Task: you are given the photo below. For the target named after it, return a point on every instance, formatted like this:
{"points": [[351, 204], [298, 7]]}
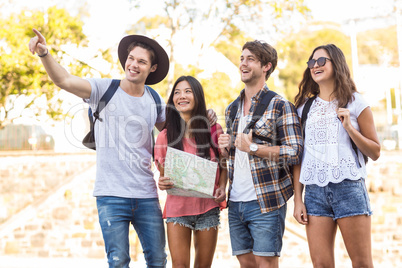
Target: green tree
{"points": [[217, 18], [218, 89], [23, 78], [219, 93], [294, 50], [378, 46], [231, 44]]}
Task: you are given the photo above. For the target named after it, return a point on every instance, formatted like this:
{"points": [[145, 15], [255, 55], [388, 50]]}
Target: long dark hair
{"points": [[344, 85], [198, 124]]}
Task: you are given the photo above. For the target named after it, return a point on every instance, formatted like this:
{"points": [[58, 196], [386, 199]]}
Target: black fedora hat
{"points": [[162, 58]]}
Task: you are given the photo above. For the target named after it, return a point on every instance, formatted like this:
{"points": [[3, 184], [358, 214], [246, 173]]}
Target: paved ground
{"points": [[10, 262], [387, 204]]}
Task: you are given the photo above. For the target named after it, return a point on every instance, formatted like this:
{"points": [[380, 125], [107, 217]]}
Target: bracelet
{"points": [[44, 55]]}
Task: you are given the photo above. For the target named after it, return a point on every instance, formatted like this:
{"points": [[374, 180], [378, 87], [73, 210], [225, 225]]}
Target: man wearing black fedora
{"points": [[125, 190]]}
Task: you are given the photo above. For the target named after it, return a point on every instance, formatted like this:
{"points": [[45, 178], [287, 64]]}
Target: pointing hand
{"points": [[38, 44]]}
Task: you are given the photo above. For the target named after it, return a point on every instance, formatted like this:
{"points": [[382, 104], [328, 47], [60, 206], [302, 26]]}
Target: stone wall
{"points": [[51, 214], [57, 217]]}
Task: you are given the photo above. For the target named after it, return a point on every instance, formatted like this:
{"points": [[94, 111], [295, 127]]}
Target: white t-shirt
{"points": [[123, 142], [242, 186], [328, 155]]}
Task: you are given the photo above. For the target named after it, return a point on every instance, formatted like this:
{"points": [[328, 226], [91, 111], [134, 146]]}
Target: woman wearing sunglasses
{"points": [[331, 172]]}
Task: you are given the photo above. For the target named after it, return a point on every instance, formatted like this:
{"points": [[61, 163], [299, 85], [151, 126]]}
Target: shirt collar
{"points": [[257, 95]]}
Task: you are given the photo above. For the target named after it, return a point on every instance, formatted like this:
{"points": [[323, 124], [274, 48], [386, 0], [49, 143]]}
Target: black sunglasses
{"points": [[320, 61]]}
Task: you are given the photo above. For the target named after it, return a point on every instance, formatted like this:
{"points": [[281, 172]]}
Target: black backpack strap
{"points": [[157, 100], [305, 111], [106, 98], [265, 99], [232, 115], [233, 107], [89, 139], [356, 150]]}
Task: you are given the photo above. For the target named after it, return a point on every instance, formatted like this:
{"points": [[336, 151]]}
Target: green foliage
{"points": [[284, 13], [223, 19], [294, 51], [148, 23], [162, 87], [378, 46], [218, 90], [22, 73], [232, 44], [219, 93]]}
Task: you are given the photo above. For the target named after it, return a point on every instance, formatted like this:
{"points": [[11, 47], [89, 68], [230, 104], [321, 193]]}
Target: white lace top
{"points": [[328, 155]]}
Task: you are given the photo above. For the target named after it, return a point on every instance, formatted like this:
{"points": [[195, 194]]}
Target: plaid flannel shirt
{"points": [[272, 179]]}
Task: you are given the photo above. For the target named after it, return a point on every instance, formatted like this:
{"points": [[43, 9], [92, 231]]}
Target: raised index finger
{"points": [[39, 35]]}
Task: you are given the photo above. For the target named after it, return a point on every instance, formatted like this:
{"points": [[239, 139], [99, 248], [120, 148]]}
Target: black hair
{"points": [[198, 124]]}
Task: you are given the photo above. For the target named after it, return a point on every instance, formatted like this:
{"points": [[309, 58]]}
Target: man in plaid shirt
{"points": [[260, 162]]}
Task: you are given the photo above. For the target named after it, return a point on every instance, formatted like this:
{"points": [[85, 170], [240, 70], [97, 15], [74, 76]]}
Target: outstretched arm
{"points": [[73, 84]]}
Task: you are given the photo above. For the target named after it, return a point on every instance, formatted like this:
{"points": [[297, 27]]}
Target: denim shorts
{"points": [[201, 222], [253, 231], [338, 200]]}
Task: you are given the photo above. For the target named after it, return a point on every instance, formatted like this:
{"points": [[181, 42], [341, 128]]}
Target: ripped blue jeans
{"points": [[115, 216]]}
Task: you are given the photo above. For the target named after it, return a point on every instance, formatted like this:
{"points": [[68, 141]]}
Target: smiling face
{"points": [[250, 67], [183, 98], [138, 65], [322, 74]]}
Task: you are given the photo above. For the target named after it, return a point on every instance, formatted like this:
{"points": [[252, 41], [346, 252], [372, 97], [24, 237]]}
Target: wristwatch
{"points": [[253, 148]]}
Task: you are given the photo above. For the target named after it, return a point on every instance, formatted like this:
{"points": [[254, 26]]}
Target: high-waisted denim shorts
{"points": [[338, 200], [205, 221]]}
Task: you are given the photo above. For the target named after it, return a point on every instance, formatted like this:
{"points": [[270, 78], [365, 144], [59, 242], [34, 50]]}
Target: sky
{"points": [[344, 10], [109, 19]]}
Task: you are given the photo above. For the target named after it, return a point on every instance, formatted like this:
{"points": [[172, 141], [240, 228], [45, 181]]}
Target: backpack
{"points": [[305, 111], [266, 98], [89, 139]]}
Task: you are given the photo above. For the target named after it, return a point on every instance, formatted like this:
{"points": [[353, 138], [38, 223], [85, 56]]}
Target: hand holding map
{"points": [[164, 183], [192, 175]]}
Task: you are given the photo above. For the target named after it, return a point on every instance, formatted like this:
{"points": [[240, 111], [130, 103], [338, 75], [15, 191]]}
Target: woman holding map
{"points": [[187, 130]]}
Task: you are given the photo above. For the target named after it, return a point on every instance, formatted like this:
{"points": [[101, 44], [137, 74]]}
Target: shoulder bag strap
{"points": [[106, 98], [305, 111]]}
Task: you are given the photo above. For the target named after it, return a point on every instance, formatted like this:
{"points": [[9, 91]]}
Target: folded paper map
{"points": [[192, 175]]}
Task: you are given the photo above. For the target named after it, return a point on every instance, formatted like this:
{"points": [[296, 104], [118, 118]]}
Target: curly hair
{"points": [[344, 86]]}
